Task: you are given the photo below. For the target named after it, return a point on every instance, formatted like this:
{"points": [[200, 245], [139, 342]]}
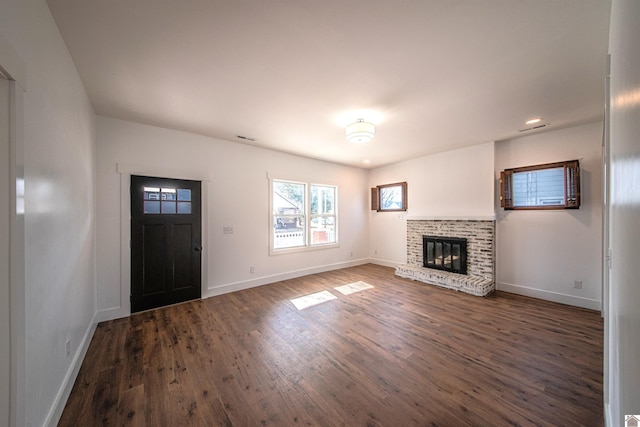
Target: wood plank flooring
{"points": [[400, 354]]}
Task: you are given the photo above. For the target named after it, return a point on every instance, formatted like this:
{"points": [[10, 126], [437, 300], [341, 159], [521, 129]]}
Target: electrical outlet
{"points": [[67, 347], [577, 284], [375, 252], [227, 229], [252, 269], [351, 254]]}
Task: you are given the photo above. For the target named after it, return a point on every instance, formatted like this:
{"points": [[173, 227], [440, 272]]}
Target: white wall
{"points": [[59, 141], [542, 253], [453, 184], [236, 194], [622, 337]]}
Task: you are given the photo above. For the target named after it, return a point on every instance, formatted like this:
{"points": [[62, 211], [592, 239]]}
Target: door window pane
{"points": [[151, 193], [184, 207], [168, 193], [151, 207], [184, 194], [168, 207]]}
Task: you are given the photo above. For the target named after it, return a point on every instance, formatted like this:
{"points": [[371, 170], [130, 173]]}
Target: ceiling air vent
{"points": [[246, 138], [534, 128]]}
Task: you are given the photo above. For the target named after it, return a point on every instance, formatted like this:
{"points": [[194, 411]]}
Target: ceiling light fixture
{"points": [[533, 121], [360, 132]]}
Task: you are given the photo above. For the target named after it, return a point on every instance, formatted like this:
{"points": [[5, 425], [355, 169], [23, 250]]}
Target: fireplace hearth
{"points": [[445, 253]]}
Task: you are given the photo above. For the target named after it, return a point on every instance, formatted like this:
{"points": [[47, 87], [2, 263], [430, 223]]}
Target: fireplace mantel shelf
{"points": [[452, 218]]}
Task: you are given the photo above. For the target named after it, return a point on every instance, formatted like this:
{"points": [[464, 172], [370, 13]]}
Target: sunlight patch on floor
{"points": [[352, 288], [313, 299], [320, 297]]}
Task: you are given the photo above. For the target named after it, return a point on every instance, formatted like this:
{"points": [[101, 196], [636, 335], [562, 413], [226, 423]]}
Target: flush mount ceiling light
{"points": [[533, 121], [360, 132]]}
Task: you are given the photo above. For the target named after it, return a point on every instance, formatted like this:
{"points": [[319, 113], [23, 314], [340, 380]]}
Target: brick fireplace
{"points": [[480, 238]]}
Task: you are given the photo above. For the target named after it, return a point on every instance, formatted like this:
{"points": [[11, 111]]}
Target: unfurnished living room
{"points": [[336, 213]]}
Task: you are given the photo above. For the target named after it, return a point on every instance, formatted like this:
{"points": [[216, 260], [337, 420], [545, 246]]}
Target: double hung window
{"points": [[303, 215]]}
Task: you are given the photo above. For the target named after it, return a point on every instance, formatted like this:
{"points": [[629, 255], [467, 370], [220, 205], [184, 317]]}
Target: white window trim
{"points": [[307, 215]]}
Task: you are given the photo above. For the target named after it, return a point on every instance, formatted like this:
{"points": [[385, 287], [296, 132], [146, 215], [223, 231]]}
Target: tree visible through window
{"points": [[288, 201], [323, 214], [389, 197]]}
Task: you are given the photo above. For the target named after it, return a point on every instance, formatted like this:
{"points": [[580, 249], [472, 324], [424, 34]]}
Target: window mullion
{"points": [[307, 217]]}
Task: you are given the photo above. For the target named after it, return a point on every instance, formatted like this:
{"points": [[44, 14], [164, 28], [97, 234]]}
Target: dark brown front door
{"points": [[166, 242]]}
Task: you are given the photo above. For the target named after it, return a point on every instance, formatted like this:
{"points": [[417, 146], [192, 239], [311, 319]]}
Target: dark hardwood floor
{"points": [[400, 354]]}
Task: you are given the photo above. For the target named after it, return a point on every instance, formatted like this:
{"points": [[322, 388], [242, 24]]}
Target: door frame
{"points": [[15, 69], [126, 170]]}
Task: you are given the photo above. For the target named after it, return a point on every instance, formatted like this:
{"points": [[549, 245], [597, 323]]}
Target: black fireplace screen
{"points": [[445, 253]]}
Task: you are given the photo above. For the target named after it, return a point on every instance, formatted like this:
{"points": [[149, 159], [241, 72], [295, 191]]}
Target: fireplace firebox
{"points": [[445, 253]]}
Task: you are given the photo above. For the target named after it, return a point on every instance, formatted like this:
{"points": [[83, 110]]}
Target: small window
{"points": [[389, 197], [546, 186]]}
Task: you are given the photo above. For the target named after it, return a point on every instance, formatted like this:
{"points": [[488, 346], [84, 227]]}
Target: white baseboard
{"points": [[110, 314], [591, 304], [53, 417], [265, 280], [384, 262]]}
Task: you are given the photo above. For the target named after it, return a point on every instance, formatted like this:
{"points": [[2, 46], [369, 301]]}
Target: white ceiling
{"points": [[438, 74]]}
